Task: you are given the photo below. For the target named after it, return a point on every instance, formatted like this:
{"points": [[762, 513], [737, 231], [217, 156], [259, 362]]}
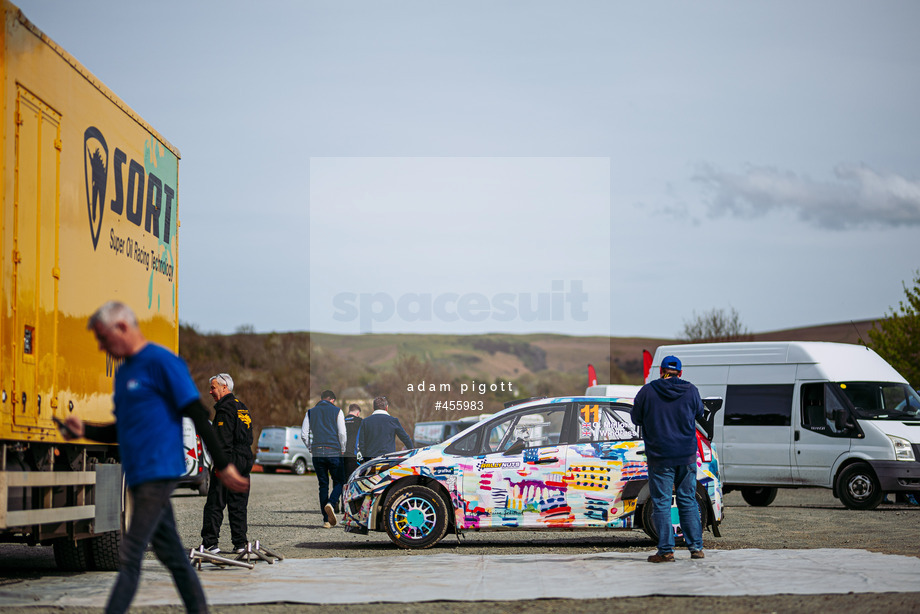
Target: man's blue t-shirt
{"points": [[151, 388]]}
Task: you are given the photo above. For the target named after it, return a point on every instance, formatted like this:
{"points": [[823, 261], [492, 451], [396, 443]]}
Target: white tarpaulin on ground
{"points": [[453, 577]]}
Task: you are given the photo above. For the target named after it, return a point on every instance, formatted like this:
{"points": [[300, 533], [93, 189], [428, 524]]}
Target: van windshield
{"points": [[882, 400]]}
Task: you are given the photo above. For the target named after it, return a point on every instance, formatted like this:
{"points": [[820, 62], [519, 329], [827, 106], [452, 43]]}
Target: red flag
{"points": [[646, 364], [592, 376]]}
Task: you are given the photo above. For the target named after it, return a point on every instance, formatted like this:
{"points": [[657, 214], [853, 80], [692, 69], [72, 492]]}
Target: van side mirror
{"points": [[842, 420], [713, 404]]}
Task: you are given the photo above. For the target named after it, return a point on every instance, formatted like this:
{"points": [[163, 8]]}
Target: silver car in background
{"points": [[282, 447]]}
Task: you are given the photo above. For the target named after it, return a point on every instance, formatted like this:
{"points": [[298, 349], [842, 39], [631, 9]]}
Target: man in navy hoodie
{"points": [[667, 410]]}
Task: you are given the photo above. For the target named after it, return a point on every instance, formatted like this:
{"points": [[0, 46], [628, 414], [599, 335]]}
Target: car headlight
{"points": [[902, 448], [376, 466]]}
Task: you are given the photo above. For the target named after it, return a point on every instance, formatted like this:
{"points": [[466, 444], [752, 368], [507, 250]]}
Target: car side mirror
{"points": [[710, 406], [517, 447], [713, 404]]}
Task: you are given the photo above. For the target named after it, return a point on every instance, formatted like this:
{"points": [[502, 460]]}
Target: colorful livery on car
{"points": [[552, 463]]}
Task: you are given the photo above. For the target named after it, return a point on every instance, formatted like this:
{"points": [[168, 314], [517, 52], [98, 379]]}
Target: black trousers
{"points": [[351, 463], [152, 521], [219, 497]]}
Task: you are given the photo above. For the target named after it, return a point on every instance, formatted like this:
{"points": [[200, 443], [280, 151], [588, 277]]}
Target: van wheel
{"points": [[415, 517], [858, 487], [648, 522], [300, 466], [759, 496]]}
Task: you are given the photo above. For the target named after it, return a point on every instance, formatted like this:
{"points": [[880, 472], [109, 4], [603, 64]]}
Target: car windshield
{"points": [[882, 400]]}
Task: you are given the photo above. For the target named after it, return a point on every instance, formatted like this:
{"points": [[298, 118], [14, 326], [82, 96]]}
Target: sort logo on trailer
{"points": [[141, 203]]}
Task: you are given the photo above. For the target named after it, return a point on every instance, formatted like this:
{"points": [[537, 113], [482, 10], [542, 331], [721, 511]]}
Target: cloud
{"points": [[858, 197]]}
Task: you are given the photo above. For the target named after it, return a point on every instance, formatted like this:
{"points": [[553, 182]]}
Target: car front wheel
{"points": [[415, 517]]}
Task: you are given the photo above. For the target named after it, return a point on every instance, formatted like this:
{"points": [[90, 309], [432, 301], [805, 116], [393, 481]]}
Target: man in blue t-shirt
{"points": [[153, 391], [667, 409]]}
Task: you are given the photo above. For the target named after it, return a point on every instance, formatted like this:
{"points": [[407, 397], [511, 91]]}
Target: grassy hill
{"points": [[280, 375]]}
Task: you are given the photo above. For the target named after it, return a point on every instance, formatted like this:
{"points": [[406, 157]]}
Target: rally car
{"points": [[550, 463]]}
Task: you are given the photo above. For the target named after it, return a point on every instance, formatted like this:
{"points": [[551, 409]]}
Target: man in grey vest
{"points": [[327, 423]]}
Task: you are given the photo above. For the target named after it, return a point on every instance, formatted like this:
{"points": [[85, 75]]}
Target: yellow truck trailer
{"points": [[89, 214]]}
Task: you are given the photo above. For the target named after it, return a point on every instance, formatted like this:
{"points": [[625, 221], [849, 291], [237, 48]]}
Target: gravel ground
{"points": [[284, 515]]}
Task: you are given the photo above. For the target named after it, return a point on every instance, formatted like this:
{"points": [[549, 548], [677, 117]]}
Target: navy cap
{"points": [[671, 362]]}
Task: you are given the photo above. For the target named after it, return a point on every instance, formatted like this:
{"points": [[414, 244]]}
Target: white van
{"points": [[800, 414]]}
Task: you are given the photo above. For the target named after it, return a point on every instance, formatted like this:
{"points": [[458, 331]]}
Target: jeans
{"points": [[329, 467], [152, 521], [662, 480]]}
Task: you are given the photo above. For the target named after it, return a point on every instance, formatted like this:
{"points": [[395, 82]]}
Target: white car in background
{"points": [[197, 460]]}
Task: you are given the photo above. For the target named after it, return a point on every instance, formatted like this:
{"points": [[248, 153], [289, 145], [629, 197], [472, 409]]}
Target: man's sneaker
{"points": [[662, 558], [212, 549], [239, 549], [330, 514], [326, 525], [697, 554]]}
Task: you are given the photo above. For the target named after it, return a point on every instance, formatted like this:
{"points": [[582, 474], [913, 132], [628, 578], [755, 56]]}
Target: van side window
{"points": [[758, 405], [819, 402]]}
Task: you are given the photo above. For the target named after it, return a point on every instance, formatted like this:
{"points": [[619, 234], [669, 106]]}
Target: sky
{"points": [[586, 168]]}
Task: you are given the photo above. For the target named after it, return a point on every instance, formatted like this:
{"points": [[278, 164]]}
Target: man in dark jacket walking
{"points": [[667, 409], [327, 423], [233, 427], [378, 430]]}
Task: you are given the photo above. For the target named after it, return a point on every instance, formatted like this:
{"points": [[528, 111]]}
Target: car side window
{"points": [[536, 427], [468, 445], [600, 422]]}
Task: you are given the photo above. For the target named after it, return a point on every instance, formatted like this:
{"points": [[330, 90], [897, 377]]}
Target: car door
{"points": [[518, 480], [606, 454]]}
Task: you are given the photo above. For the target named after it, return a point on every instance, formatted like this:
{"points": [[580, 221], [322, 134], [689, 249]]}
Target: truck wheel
{"points": [[205, 484], [759, 496], [103, 551], [70, 555], [648, 523], [858, 487], [415, 517], [300, 466]]}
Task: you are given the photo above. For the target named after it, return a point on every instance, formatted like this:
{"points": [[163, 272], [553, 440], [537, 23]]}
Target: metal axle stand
{"points": [[197, 556], [255, 550]]}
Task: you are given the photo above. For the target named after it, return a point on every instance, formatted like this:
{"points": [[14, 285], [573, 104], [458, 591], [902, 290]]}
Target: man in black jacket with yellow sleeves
{"points": [[233, 427]]}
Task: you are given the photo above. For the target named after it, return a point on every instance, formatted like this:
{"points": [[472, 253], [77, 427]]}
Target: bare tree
{"points": [[715, 325], [415, 405]]}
